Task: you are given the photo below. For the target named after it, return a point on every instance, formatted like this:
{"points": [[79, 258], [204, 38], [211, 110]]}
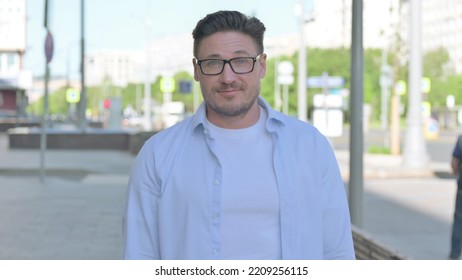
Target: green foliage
{"points": [[434, 63], [336, 62], [441, 88], [57, 104], [373, 149], [443, 81]]}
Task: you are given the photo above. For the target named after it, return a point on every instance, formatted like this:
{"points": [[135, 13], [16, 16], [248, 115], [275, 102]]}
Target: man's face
{"points": [[229, 94]]}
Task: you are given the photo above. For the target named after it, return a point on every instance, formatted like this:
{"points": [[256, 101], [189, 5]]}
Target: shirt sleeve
{"points": [[140, 217], [337, 240], [457, 152]]}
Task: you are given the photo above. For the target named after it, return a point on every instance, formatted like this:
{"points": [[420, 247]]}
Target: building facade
{"points": [[441, 27], [14, 80], [162, 57], [118, 67]]}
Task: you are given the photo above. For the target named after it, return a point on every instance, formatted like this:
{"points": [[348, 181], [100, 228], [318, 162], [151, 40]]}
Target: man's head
{"points": [[229, 21], [229, 63]]}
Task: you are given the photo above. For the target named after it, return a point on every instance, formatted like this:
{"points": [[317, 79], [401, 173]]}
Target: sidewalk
{"points": [[410, 210], [76, 213]]}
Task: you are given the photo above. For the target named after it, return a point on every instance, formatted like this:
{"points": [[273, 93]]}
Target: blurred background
{"points": [[89, 81], [131, 48]]}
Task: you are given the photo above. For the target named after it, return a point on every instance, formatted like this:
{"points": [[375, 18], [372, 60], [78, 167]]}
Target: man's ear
{"points": [[196, 69], [262, 65]]}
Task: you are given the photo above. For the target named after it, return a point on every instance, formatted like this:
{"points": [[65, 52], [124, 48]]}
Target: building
{"points": [[14, 80], [116, 66], [441, 27], [328, 25], [170, 55], [163, 57]]}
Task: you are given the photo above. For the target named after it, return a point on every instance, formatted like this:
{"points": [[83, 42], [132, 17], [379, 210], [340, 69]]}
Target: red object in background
{"points": [[8, 100], [107, 103]]}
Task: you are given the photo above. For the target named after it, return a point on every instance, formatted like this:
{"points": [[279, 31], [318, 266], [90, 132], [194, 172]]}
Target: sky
{"points": [[120, 25]]}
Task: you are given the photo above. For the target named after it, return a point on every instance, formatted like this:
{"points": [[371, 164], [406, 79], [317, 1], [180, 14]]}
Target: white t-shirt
{"points": [[250, 199]]}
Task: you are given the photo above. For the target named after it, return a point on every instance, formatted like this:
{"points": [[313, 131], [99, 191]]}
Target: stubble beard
{"points": [[231, 110]]}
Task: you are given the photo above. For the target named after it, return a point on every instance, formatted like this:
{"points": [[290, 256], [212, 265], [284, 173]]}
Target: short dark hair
{"points": [[229, 21]]}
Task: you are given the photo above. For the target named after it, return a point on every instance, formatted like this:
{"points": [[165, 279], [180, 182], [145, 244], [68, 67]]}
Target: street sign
{"points": [[285, 79], [167, 85], [285, 73], [450, 101], [327, 101], [49, 47], [401, 87], [285, 68], [185, 86], [329, 82], [72, 95], [329, 122], [426, 85]]}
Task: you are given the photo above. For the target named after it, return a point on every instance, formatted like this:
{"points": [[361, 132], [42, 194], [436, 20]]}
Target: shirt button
{"points": [[216, 182]]}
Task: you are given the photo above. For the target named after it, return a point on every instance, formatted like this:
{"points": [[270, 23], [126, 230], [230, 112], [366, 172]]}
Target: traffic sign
{"points": [[285, 79], [401, 87], [49, 47], [167, 85], [285, 70], [425, 84], [72, 95], [329, 82], [185, 86]]}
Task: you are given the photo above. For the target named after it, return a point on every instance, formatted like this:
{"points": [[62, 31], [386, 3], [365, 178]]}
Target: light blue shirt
{"points": [[175, 191]]}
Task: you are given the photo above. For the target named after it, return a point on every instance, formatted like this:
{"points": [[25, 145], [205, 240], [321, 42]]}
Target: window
{"points": [[10, 60]]}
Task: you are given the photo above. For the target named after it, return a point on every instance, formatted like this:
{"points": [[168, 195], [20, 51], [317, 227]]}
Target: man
{"points": [[456, 237], [237, 180]]}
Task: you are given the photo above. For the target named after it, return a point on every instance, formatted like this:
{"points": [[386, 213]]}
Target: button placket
{"points": [[215, 210]]}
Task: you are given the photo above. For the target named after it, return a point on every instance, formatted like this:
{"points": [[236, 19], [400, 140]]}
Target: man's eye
{"points": [[240, 61], [213, 63]]}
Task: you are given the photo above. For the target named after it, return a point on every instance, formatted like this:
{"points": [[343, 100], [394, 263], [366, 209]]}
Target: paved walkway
{"points": [[76, 212]]}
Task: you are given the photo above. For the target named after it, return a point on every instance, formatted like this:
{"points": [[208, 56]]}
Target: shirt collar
{"points": [[275, 118]]}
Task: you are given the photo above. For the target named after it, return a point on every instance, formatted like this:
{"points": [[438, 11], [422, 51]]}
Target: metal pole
{"points": [[277, 87], [44, 126], [325, 93], [384, 86], [83, 95], [302, 72], [415, 153], [356, 112], [285, 107], [147, 82]]}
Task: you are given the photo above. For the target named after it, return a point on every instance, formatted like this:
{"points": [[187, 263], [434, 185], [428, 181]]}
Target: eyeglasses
{"points": [[239, 65]]}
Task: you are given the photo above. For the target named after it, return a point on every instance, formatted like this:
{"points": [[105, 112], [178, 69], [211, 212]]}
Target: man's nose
{"points": [[227, 75]]}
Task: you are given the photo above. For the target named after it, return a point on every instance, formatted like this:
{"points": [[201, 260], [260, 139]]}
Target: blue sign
{"points": [[328, 82], [185, 86]]}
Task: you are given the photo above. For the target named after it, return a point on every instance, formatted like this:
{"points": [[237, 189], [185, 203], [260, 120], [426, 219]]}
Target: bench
{"points": [[368, 248]]}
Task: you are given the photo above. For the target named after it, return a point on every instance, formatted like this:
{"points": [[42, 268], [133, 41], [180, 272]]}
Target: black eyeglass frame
{"points": [[255, 59]]}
